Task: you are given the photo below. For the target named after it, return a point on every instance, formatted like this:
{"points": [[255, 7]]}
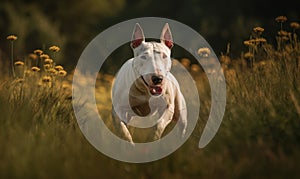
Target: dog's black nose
{"points": [[156, 80]]}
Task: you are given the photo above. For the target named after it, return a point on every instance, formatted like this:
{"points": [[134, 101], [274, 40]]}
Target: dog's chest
{"points": [[144, 104]]}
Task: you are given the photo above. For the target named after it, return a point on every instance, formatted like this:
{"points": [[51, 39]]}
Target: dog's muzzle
{"points": [[156, 88]]}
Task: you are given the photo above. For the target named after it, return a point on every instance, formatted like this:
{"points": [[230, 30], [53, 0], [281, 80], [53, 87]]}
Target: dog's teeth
{"points": [[156, 90]]}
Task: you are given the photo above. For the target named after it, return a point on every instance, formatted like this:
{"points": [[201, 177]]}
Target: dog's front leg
{"points": [[180, 113], [121, 127], [126, 132], [165, 119], [182, 122]]}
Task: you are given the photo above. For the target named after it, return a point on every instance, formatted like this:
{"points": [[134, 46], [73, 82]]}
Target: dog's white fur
{"points": [[131, 89]]}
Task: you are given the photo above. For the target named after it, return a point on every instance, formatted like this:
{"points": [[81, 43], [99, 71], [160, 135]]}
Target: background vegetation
{"points": [[260, 133], [72, 24]]}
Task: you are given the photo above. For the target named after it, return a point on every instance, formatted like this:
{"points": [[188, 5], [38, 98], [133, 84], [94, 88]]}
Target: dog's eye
{"points": [[143, 57]]}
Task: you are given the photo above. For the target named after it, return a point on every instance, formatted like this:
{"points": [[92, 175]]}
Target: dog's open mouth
{"points": [[154, 90]]}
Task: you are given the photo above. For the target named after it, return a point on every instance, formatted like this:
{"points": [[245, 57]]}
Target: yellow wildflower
{"points": [[281, 19], [204, 52], [261, 40], [47, 66], [62, 73], [44, 56], [52, 71], [46, 79], [295, 25], [258, 29], [38, 52], [54, 48], [247, 43], [58, 67], [225, 59], [248, 55], [12, 37], [195, 68], [32, 56], [19, 63], [35, 69], [283, 33], [250, 42], [185, 62], [48, 61]]}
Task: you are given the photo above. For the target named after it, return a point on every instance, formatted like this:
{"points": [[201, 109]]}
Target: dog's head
{"points": [[152, 60]]}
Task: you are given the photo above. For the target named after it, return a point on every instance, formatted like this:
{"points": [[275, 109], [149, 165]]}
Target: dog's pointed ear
{"points": [[137, 36], [166, 36]]}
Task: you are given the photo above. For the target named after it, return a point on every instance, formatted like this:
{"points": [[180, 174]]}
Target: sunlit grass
{"points": [[258, 138]]}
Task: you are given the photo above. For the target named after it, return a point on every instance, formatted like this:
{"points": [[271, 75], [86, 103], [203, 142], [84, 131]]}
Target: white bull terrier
{"points": [[144, 87]]}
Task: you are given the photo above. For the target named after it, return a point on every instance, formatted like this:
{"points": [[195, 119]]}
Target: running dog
{"points": [[145, 88]]}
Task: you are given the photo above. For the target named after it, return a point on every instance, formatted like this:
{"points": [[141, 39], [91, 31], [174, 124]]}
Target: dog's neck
{"points": [[139, 97]]}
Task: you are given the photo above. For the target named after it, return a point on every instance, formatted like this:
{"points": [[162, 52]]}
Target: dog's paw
{"points": [[132, 143]]}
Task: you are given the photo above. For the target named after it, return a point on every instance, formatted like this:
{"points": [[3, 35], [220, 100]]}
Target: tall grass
{"points": [[258, 138]]}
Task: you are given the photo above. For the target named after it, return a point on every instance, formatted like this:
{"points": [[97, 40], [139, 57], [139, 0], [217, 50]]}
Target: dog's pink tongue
{"points": [[156, 90]]}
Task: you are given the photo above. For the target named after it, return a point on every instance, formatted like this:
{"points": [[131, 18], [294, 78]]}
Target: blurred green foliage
{"points": [[72, 24]]}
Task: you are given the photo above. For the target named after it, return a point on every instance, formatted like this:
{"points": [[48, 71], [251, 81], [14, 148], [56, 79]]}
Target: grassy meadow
{"points": [[258, 138]]}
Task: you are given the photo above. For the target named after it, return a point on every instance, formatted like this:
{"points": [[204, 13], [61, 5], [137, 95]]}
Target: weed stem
{"points": [[12, 59]]}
